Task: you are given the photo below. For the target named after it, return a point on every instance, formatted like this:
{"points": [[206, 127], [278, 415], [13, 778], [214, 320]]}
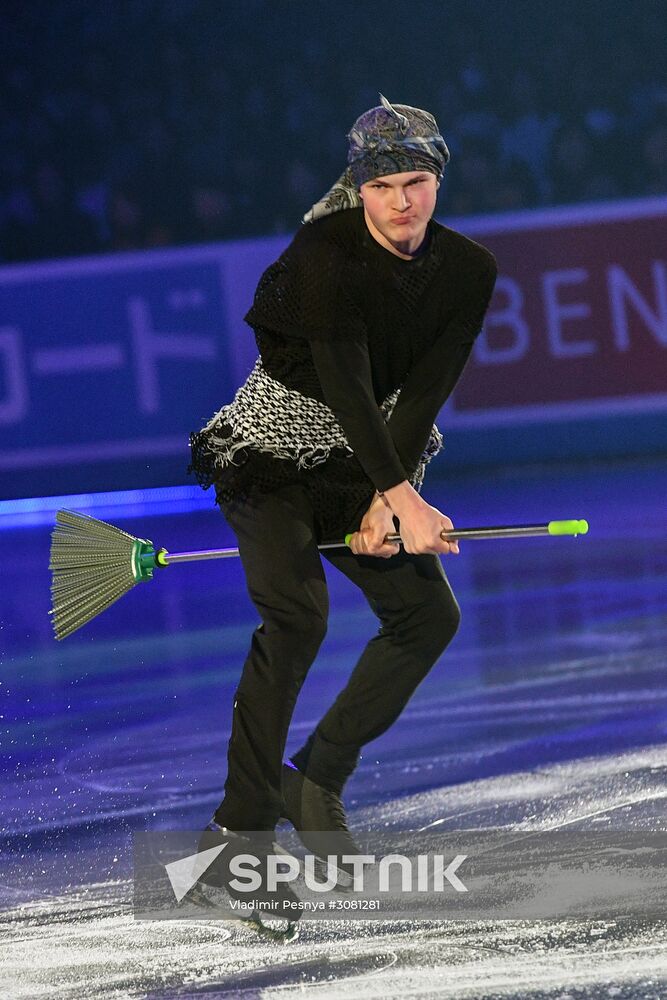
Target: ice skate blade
{"points": [[197, 897], [282, 935]]}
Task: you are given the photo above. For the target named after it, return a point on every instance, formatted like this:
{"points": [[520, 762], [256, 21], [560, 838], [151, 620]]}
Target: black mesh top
{"points": [[343, 320]]}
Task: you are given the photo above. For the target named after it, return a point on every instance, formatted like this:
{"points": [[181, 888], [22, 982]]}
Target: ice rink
{"points": [[548, 712]]}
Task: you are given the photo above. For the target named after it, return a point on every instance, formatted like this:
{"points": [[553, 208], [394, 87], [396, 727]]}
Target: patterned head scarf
{"points": [[389, 139]]}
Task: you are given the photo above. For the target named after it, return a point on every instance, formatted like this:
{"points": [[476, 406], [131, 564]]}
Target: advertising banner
{"points": [[578, 321]]}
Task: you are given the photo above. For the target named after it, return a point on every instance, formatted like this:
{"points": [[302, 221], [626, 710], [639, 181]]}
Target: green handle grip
{"points": [[579, 527]]}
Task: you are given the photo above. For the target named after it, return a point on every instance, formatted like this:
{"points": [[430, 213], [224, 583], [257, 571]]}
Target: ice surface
{"points": [[548, 712], [85, 942]]}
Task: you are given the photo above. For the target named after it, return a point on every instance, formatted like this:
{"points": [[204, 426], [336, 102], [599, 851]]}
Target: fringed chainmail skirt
{"points": [[270, 436]]}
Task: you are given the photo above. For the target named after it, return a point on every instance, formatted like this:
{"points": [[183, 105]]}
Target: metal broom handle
{"points": [[571, 527]]}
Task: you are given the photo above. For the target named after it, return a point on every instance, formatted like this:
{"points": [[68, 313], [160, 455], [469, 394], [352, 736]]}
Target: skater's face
{"points": [[397, 209]]}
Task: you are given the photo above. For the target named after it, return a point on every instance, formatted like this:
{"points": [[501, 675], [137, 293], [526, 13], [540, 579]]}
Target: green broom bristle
{"points": [[91, 563]]}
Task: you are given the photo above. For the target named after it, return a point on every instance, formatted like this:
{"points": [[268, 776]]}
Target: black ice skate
{"points": [[318, 816], [278, 910]]}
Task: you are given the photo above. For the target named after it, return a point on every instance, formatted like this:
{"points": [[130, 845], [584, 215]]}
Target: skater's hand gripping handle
{"points": [[420, 524], [377, 522]]}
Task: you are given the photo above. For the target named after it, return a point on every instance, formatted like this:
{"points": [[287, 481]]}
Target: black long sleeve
{"points": [[389, 452], [433, 377], [345, 375]]}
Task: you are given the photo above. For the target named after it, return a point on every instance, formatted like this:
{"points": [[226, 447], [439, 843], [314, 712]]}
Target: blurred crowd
{"points": [[151, 123]]}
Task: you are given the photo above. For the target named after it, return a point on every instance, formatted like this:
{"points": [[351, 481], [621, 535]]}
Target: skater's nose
{"points": [[400, 199]]}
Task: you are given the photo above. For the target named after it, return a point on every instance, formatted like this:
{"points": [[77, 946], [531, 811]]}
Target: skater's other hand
{"points": [[420, 523], [377, 522], [420, 531]]}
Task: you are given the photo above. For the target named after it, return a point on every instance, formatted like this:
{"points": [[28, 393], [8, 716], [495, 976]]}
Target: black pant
{"points": [[419, 616]]}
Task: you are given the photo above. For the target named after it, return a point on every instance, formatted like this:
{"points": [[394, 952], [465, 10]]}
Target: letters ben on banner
{"points": [[578, 319]]}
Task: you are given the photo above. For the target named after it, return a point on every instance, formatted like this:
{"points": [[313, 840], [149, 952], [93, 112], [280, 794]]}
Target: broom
{"points": [[94, 563]]}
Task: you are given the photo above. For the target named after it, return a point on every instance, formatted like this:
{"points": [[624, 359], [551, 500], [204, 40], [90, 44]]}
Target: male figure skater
{"points": [[363, 326]]}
